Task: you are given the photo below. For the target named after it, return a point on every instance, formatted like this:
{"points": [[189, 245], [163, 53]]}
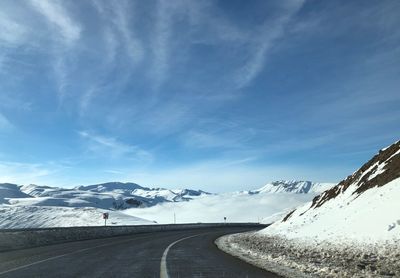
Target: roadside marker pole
{"points": [[105, 217]]}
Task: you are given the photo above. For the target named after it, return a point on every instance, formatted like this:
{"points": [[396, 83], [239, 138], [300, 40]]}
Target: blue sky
{"points": [[217, 95]]}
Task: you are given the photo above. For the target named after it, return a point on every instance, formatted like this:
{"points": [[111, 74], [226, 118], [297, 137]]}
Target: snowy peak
{"points": [[112, 195], [383, 168], [293, 186], [8, 190], [111, 186], [38, 190]]}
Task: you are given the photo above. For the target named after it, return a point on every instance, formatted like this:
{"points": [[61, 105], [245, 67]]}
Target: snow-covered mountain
{"points": [[45, 206], [35, 206], [293, 186], [362, 207], [113, 195]]}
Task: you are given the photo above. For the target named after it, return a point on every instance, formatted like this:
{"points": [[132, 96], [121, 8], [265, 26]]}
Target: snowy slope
{"points": [[362, 208], [8, 190], [293, 186], [50, 216]]}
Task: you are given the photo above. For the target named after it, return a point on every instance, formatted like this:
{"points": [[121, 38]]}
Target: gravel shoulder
{"points": [[296, 258]]}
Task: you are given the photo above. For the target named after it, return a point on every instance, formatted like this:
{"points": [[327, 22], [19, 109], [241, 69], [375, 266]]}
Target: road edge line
{"points": [[163, 264]]}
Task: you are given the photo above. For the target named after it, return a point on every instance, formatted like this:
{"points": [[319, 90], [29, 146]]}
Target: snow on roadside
{"points": [[350, 230], [296, 258]]}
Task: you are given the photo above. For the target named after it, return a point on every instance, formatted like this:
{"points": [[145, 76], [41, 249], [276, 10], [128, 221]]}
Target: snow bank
{"points": [[296, 258], [349, 230]]}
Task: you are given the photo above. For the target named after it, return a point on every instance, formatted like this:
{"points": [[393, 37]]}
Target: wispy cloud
{"points": [[5, 124], [109, 146], [57, 15], [161, 40], [16, 172], [66, 32], [123, 14], [86, 100], [195, 138], [12, 33], [270, 33]]}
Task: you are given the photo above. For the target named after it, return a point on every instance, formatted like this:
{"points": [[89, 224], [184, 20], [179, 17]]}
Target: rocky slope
{"points": [[361, 207], [349, 230]]}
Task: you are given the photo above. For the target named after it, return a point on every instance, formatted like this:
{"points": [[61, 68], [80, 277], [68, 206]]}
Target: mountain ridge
{"points": [[293, 186]]}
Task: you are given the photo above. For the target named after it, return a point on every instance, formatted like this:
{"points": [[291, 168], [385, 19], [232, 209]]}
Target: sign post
{"points": [[225, 219], [105, 217]]}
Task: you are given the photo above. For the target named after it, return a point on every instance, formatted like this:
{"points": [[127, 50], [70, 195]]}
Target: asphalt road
{"points": [[190, 253]]}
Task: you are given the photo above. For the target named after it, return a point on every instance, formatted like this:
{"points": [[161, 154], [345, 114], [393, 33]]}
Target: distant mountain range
{"points": [[293, 186], [45, 206], [113, 195]]}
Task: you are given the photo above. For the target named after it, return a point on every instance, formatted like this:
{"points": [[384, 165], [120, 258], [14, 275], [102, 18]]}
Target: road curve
{"points": [[189, 253]]}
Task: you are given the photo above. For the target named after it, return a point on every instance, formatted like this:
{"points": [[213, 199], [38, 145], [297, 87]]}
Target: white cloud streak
{"points": [[109, 146], [56, 15], [269, 35], [23, 173], [5, 124], [59, 19], [12, 33], [123, 12], [161, 41]]}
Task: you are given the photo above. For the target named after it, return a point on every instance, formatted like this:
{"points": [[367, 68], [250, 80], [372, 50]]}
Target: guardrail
{"points": [[12, 239]]}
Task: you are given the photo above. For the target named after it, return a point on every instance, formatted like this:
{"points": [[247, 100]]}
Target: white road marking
{"points": [[163, 265], [64, 255]]}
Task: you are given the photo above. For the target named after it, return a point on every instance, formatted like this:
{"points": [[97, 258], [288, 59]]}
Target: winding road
{"points": [[188, 253]]}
